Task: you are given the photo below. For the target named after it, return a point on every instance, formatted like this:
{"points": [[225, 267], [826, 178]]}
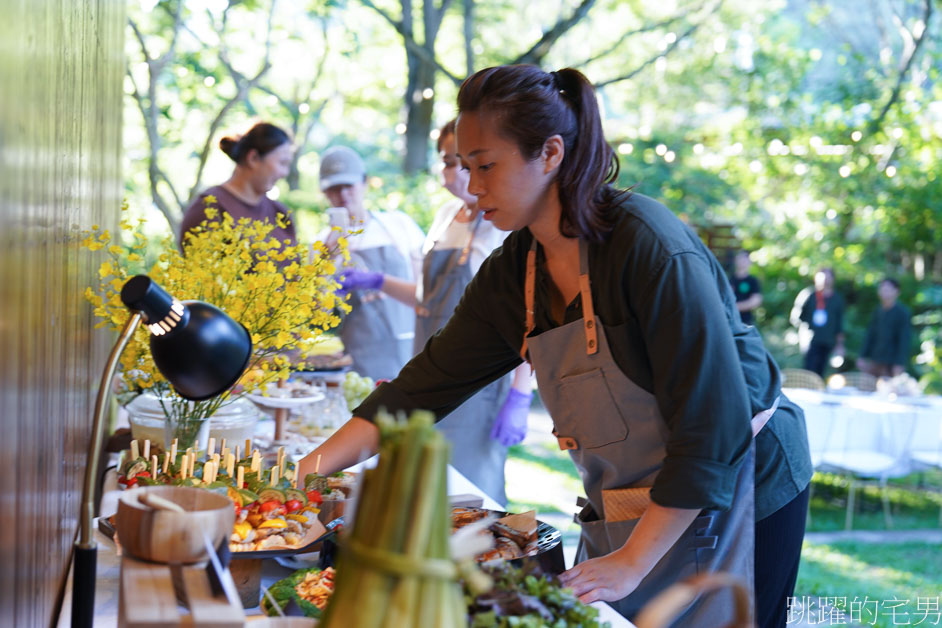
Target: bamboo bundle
{"points": [[395, 569]]}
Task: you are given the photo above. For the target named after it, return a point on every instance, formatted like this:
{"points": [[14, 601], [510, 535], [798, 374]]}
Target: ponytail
{"points": [[529, 106]]}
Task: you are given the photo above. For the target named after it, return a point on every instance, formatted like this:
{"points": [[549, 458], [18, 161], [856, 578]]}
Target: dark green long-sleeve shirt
{"points": [[671, 322], [888, 336]]}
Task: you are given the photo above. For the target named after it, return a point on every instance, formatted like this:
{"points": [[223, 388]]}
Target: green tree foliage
{"points": [[812, 126]]}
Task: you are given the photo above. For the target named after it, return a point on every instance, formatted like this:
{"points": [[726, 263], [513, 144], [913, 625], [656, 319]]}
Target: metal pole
{"points": [[85, 550]]}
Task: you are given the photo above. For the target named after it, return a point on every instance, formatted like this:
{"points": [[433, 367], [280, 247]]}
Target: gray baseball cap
{"points": [[341, 165]]}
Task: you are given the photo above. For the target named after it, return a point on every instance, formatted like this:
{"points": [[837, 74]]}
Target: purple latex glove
{"points": [[511, 424], [361, 280]]}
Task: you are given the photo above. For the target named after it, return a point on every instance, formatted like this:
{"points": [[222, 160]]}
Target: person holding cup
{"points": [[378, 331]]}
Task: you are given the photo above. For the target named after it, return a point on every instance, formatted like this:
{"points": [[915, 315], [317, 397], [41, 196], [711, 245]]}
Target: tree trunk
{"points": [[469, 36], [419, 119]]}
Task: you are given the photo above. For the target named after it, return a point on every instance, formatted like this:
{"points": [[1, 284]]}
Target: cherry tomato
{"points": [[269, 505], [293, 505], [314, 496], [132, 482]]}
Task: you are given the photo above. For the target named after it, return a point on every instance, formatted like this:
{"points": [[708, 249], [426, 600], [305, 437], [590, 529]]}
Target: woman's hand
{"points": [[616, 575], [608, 578]]}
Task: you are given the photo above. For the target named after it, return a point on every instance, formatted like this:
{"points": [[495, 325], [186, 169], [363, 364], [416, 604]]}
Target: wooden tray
{"points": [[150, 593]]}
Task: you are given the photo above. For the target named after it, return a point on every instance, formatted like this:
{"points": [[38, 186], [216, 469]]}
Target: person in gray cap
{"points": [[378, 331]]}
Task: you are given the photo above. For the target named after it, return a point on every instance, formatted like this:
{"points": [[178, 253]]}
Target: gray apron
{"points": [[378, 330], [480, 458], [618, 441]]}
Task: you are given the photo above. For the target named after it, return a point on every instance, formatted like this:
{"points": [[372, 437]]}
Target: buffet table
{"points": [[109, 570]]}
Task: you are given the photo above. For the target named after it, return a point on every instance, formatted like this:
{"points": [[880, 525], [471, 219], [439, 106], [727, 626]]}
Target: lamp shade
{"points": [[199, 349]]}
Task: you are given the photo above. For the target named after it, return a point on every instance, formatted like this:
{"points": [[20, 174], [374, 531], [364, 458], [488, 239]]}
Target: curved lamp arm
{"points": [[86, 559]]}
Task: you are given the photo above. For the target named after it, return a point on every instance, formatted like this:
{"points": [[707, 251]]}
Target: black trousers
{"points": [[777, 553], [817, 357]]}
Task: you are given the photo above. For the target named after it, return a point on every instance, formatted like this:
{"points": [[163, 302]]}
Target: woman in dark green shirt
{"points": [[630, 325]]}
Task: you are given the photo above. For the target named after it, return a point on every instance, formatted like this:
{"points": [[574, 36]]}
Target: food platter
{"points": [[545, 549], [290, 398]]}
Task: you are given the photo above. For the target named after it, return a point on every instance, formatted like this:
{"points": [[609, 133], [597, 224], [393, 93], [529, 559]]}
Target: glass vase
{"points": [[189, 432]]}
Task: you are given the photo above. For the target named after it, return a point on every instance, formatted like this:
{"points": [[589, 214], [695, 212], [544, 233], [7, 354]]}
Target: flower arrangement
{"points": [[285, 300]]}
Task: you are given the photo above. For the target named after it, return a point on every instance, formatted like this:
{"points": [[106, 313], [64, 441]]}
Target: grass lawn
{"points": [[849, 583], [870, 581]]}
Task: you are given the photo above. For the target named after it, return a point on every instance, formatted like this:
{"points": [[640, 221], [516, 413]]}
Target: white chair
{"points": [[925, 449], [819, 413], [869, 441], [864, 382]]}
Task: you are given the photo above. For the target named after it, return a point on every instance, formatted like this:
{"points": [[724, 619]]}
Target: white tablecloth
{"points": [[869, 422]]}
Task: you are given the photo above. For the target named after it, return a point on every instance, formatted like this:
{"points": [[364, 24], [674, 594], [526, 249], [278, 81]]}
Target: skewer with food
{"points": [[270, 512]]}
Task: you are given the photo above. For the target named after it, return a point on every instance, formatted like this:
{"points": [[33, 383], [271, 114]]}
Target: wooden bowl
{"points": [[164, 536]]}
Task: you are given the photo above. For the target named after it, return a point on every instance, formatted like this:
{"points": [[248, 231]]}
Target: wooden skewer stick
{"points": [[166, 466], [240, 476], [317, 465], [134, 452], [222, 445], [173, 451], [147, 449], [211, 448], [154, 467]]}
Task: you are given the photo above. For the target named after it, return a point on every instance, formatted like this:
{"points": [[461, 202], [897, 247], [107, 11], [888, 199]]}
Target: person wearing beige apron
{"points": [[691, 459]]}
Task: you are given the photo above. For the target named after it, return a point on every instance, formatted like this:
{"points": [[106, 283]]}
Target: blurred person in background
{"points": [[262, 157], [378, 332], [886, 345], [746, 287], [823, 312]]}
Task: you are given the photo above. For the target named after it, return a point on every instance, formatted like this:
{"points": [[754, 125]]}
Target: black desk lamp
{"points": [[202, 353]]}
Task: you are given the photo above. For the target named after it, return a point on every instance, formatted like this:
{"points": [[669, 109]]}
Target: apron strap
{"points": [[528, 289], [588, 310], [585, 291]]}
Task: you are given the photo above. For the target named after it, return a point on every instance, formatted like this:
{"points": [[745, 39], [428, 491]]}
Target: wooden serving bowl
{"points": [[164, 536]]}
